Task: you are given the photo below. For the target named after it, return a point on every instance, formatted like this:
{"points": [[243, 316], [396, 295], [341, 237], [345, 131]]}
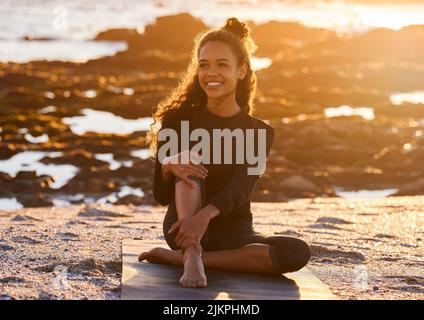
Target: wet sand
{"points": [[361, 249]]}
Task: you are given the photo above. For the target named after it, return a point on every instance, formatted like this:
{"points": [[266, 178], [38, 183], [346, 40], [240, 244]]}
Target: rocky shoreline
{"points": [[312, 69]]}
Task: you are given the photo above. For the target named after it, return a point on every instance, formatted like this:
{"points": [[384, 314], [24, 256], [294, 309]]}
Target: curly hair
{"points": [[188, 94]]}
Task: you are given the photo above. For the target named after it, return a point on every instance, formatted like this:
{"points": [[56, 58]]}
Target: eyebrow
{"points": [[220, 59]]}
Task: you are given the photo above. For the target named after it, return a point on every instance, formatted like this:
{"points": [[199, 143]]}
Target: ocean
{"points": [[62, 30]]}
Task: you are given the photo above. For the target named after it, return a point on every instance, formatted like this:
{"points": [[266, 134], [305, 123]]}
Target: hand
{"points": [[191, 230], [183, 165]]}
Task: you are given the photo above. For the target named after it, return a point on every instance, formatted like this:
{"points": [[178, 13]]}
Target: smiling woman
{"points": [[209, 221]]}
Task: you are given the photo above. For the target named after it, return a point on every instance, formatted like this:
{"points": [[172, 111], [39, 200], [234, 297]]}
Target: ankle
{"points": [[191, 252]]}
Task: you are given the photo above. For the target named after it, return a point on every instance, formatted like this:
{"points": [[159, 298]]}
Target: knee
{"points": [[302, 256], [180, 183], [290, 254]]}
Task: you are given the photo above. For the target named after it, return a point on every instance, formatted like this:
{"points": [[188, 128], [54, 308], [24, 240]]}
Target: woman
{"points": [[208, 221]]}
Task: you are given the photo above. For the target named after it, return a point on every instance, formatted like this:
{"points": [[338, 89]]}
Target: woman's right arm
{"points": [[165, 173], [178, 167]]}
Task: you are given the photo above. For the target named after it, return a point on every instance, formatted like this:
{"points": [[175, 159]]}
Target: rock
{"points": [[387, 236], [96, 185], [94, 212], [415, 187], [297, 182], [93, 266], [130, 199], [68, 235], [19, 218], [332, 220], [335, 255], [25, 240], [160, 35], [46, 296], [77, 157], [7, 151], [5, 177], [323, 226], [414, 280], [26, 175], [290, 233], [13, 280], [119, 34], [34, 199], [30, 37], [4, 247]]}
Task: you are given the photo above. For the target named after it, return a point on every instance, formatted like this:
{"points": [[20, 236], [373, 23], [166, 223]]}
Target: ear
{"points": [[242, 71]]}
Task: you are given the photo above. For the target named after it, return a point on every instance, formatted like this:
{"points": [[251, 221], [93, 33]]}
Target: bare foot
{"points": [[194, 273], [163, 256]]}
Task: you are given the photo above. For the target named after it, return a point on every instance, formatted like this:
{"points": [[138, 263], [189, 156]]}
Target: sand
{"points": [[361, 249]]}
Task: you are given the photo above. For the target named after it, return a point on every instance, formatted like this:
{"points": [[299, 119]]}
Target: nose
{"points": [[210, 73], [212, 76]]}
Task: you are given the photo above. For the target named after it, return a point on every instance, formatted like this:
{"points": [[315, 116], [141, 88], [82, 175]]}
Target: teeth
{"points": [[214, 83]]}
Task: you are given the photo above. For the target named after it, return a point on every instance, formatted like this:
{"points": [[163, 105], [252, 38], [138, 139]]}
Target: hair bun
{"points": [[240, 29]]}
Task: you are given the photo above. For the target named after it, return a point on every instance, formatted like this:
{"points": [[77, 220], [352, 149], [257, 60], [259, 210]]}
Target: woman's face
{"points": [[218, 71]]}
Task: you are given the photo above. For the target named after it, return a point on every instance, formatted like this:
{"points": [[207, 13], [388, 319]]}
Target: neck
{"points": [[223, 106]]}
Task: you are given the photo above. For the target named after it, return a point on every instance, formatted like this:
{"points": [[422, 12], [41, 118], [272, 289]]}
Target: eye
{"points": [[202, 65], [222, 64]]}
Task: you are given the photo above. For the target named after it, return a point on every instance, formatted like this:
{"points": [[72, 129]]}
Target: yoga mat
{"points": [[148, 281]]}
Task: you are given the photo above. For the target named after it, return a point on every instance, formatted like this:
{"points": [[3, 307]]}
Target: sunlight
{"points": [[411, 97], [30, 161], [260, 63], [105, 122], [345, 110], [365, 194]]}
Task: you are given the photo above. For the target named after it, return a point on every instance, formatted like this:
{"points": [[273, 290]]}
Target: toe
{"points": [[183, 282], [142, 256]]}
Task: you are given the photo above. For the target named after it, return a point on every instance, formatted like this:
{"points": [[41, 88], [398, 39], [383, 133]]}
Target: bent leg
{"points": [[282, 255], [261, 254], [188, 201], [288, 254], [250, 258]]}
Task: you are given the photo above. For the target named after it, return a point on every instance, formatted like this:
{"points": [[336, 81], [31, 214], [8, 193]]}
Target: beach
{"points": [[344, 94], [360, 249]]}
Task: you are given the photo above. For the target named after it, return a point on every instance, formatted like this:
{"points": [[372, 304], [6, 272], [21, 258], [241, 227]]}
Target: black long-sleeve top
{"points": [[228, 186]]}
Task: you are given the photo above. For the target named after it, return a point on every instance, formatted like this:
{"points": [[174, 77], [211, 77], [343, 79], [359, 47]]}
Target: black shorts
{"points": [[288, 254]]}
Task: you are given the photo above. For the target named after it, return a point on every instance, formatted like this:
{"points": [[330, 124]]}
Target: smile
{"points": [[214, 84]]}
